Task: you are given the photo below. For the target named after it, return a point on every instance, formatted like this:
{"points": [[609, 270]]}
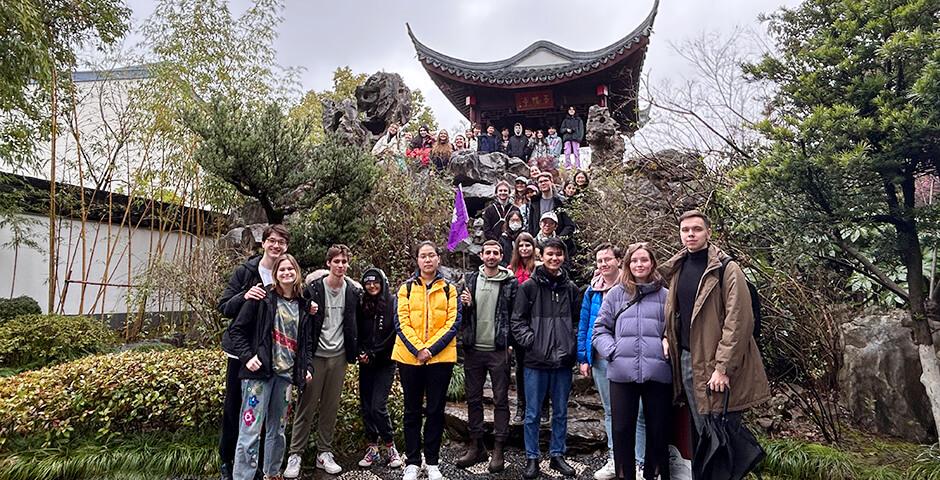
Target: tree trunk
{"points": [[930, 378]]}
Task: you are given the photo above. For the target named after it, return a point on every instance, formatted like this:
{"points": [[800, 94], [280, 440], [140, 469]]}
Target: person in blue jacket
{"points": [[608, 259]]}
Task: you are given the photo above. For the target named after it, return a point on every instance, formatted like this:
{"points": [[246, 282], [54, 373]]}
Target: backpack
{"points": [[409, 283], [751, 288]]}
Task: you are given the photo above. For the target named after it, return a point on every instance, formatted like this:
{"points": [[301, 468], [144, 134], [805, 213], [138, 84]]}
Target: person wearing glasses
{"points": [[248, 282]]}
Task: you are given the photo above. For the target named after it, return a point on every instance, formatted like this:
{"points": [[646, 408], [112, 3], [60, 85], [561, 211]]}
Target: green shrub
{"points": [[102, 395], [31, 341], [14, 307], [177, 390]]}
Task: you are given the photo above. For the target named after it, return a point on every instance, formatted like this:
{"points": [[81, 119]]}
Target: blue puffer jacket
{"points": [[590, 307], [632, 343]]}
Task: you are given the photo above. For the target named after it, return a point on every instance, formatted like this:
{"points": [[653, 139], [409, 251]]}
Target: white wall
{"points": [[129, 252]]}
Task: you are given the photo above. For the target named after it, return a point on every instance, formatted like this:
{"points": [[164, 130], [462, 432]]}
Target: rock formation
{"points": [[880, 378], [607, 146], [383, 99], [342, 119], [479, 173]]}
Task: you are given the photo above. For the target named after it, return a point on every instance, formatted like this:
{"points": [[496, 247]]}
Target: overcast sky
{"points": [[370, 35]]}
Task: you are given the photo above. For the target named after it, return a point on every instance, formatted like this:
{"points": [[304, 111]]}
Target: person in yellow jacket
{"points": [[426, 350]]}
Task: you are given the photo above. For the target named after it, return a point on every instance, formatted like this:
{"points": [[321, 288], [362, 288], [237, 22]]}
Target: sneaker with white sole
{"points": [[293, 467], [394, 458], [325, 461], [434, 473], [411, 472], [371, 457], [607, 472]]}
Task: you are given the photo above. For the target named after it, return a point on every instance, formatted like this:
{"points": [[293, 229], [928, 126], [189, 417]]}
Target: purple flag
{"points": [[458, 223]]}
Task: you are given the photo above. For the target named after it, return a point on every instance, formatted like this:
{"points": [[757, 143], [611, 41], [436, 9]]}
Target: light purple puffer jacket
{"points": [[635, 350]]}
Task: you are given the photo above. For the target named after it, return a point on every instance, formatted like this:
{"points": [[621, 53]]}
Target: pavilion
{"points": [[535, 86]]}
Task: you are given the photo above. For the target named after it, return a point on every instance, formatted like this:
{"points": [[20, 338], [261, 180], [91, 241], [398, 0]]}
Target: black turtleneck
{"points": [[687, 288]]}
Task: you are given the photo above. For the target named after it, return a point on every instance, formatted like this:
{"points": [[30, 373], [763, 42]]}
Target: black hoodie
{"points": [[377, 329], [545, 320]]}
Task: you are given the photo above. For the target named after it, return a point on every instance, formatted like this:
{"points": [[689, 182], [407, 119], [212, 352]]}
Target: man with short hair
{"points": [[548, 201], [710, 327], [248, 282], [334, 343], [488, 143], [495, 214], [487, 302], [544, 323]]}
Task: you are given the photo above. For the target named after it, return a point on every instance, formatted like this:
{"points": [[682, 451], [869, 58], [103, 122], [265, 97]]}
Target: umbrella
{"points": [[726, 449]]}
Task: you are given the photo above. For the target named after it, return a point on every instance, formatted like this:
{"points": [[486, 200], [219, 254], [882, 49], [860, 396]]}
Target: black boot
{"points": [[225, 471], [475, 454], [559, 465], [531, 469], [497, 462], [519, 417]]}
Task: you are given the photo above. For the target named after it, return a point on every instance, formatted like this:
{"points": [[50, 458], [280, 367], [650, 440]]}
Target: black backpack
{"points": [[751, 288], [409, 283]]}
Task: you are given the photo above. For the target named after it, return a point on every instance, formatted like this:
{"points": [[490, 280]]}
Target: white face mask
{"points": [[515, 226]]}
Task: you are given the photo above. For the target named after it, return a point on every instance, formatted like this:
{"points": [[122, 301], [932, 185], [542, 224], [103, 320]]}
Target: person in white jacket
{"points": [[391, 146]]}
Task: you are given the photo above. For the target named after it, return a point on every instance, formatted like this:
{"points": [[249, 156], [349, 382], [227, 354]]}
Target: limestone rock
{"points": [[668, 180], [342, 119], [601, 133], [479, 173], [383, 99], [880, 377]]}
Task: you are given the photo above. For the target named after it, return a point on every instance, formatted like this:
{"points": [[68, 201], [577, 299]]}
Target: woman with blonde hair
{"points": [[271, 337], [628, 333], [441, 151]]}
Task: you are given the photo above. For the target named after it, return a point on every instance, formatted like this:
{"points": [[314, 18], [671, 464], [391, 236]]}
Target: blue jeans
{"points": [[538, 383], [264, 403], [599, 371]]}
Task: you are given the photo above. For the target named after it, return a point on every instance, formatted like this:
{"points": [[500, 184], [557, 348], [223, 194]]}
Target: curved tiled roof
{"points": [[509, 73]]}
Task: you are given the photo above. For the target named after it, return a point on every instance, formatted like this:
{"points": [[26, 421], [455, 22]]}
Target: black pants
{"points": [[375, 384], [231, 412], [624, 406], [476, 365], [419, 382]]}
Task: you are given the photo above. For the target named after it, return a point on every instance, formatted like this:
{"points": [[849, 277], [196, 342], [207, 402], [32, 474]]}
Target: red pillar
{"points": [[474, 113], [602, 93]]}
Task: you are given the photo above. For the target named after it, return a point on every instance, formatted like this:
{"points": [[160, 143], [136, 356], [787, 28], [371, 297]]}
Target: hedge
{"points": [[175, 390], [14, 307], [32, 341]]}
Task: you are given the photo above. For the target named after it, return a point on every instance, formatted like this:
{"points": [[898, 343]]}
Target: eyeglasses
{"points": [[278, 241]]}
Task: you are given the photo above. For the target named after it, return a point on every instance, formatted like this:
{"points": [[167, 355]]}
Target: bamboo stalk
{"points": [[52, 173]]}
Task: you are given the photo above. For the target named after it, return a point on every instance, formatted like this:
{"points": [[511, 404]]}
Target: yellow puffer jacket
{"points": [[428, 318]]}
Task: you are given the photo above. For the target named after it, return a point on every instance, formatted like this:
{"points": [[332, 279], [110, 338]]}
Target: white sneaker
{"points": [[293, 467], [394, 458], [326, 462], [371, 457], [639, 470], [411, 472], [434, 473], [607, 472]]}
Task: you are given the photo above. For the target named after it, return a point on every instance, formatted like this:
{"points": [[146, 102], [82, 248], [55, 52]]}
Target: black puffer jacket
{"points": [[545, 320], [504, 305], [377, 328], [252, 333]]}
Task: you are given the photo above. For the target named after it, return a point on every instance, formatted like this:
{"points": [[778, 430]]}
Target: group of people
{"points": [[649, 334], [542, 148]]}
